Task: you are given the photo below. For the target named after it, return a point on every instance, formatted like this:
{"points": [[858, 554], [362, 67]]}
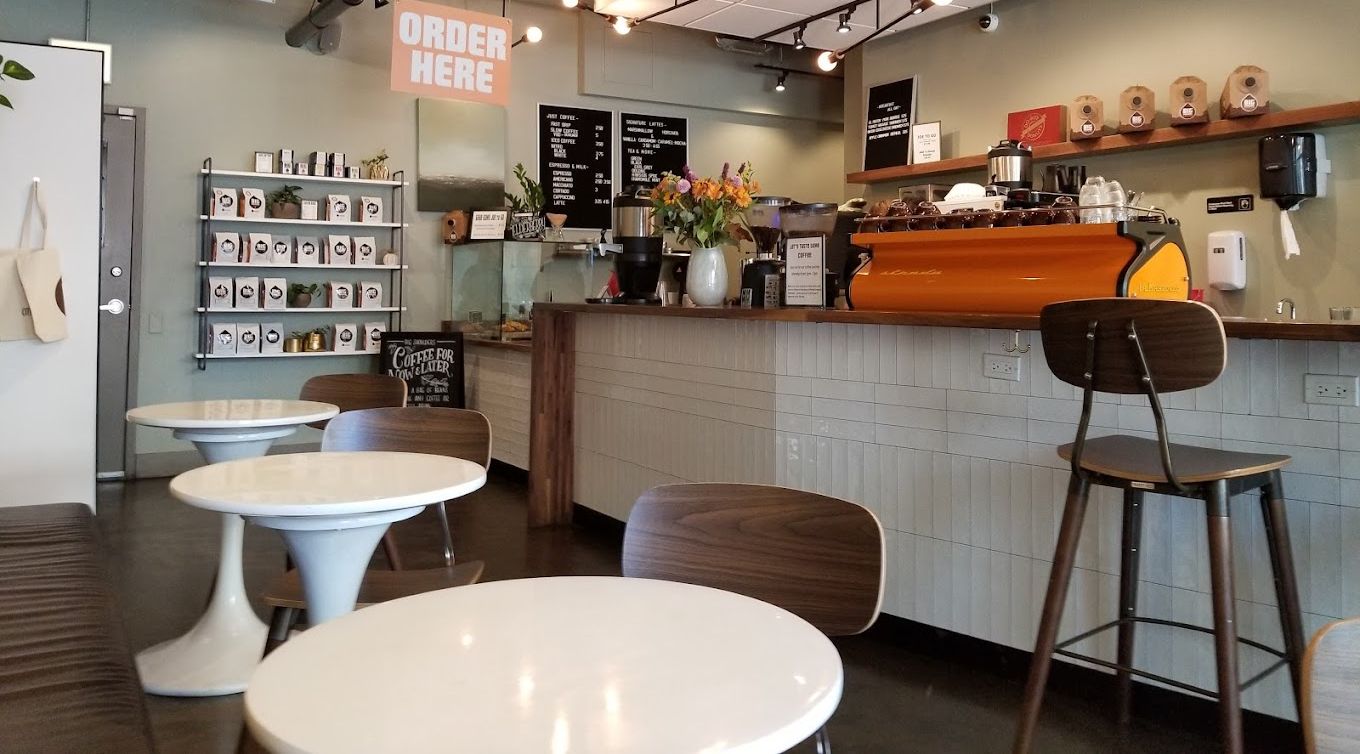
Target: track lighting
{"points": [[779, 87], [828, 60], [798, 42], [533, 35], [380, 3], [622, 25], [570, 3], [844, 26]]}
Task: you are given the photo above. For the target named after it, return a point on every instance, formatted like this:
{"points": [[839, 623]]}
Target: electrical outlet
{"points": [[999, 367], [1331, 389]]}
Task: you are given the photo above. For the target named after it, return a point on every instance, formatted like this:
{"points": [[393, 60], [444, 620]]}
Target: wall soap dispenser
{"points": [[1227, 260]]}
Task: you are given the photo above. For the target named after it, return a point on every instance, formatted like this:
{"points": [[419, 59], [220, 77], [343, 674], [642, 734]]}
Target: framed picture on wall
{"points": [[889, 111]]}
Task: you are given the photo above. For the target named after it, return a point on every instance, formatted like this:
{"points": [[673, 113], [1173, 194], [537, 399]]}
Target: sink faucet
{"points": [[1279, 307]]}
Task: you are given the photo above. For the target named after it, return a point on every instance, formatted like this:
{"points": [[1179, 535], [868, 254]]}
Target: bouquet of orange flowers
{"points": [[705, 211]]}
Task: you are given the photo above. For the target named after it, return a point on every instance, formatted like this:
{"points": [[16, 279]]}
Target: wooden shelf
{"points": [[304, 310], [300, 354], [288, 178], [282, 221], [1235, 128], [296, 266]]}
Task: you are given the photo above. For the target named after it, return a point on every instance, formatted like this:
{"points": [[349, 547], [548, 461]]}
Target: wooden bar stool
{"points": [[1132, 346]]}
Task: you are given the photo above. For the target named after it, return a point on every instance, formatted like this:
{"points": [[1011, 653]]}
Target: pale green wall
{"points": [[1050, 51], [218, 80]]}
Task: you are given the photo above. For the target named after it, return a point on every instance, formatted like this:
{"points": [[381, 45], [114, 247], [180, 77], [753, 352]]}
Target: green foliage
{"points": [[532, 193], [286, 195], [378, 159], [15, 70], [297, 288]]}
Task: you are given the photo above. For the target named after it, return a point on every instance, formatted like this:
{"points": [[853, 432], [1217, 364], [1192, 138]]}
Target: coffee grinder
{"points": [[762, 276], [638, 264]]}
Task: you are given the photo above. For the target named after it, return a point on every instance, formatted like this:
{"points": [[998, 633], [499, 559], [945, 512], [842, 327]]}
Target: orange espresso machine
{"points": [[1016, 270]]}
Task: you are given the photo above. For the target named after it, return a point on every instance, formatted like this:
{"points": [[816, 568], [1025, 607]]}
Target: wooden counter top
{"points": [[1235, 328]]}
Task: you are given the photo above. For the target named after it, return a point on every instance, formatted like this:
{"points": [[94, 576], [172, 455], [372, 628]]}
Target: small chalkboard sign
{"points": [[576, 164], [890, 111], [430, 362], [650, 146]]}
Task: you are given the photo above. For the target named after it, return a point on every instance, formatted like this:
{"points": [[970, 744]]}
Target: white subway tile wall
{"points": [[497, 382], [961, 469]]}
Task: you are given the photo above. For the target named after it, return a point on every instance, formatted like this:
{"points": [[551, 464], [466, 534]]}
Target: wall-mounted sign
{"points": [[430, 362], [576, 164], [925, 143], [438, 51], [1238, 203], [651, 145], [889, 112], [488, 224]]}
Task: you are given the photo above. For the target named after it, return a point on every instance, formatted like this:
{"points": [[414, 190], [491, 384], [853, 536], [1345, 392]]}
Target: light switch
{"points": [[154, 323]]}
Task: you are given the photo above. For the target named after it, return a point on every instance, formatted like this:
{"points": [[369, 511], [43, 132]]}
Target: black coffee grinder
{"points": [[762, 276], [638, 264]]}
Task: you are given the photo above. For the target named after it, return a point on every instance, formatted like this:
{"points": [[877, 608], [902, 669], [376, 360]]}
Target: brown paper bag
{"points": [[31, 301]]}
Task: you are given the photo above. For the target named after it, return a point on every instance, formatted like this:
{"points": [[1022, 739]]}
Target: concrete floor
{"points": [[898, 696]]}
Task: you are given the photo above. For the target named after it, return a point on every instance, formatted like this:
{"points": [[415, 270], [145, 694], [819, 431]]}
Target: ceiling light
{"points": [[622, 25], [569, 3], [380, 3], [844, 26], [828, 60], [798, 42], [942, 2], [779, 87], [533, 35]]}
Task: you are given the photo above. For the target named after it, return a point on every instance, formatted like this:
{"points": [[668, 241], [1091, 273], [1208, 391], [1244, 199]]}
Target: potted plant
{"points": [[285, 203], [316, 340], [526, 210], [300, 295], [12, 69], [707, 213], [377, 166], [293, 343]]}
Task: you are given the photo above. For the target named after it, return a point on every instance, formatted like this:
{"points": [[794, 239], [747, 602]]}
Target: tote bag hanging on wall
{"points": [[31, 301]]}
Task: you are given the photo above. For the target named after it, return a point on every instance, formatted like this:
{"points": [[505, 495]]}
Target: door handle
{"points": [[115, 306]]}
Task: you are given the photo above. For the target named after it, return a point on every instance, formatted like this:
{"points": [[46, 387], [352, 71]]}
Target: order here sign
{"points": [[439, 51]]}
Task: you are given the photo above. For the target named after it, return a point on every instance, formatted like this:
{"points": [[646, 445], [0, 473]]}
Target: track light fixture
{"points": [[622, 25], [380, 3], [570, 3], [844, 26], [828, 60], [533, 35], [798, 42], [779, 87]]}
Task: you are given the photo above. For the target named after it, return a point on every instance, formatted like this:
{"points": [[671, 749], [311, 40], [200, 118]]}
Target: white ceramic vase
{"points": [[706, 281]]}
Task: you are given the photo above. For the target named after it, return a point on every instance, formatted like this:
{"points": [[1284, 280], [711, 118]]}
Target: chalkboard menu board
{"points": [[430, 362], [887, 124], [651, 145], [575, 164]]}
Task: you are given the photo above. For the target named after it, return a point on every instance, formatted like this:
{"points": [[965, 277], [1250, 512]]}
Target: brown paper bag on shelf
{"points": [[32, 305]]}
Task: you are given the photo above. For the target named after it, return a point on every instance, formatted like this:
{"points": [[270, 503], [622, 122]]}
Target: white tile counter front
{"points": [[498, 386], [961, 469]]}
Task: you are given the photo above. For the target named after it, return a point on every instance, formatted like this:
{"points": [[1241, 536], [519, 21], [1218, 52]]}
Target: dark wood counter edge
{"points": [[1322, 331], [507, 345]]}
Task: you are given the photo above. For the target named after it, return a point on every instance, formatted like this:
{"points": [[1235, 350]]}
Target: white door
{"points": [[47, 390]]}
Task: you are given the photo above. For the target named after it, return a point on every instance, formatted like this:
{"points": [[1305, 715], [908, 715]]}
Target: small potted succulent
{"points": [[300, 295], [293, 343], [285, 204], [377, 166], [526, 210]]}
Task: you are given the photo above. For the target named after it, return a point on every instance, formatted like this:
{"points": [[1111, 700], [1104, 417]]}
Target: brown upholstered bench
{"points": [[67, 681]]}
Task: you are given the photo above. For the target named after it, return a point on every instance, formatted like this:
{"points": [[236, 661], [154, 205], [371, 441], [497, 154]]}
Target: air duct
{"points": [[318, 18]]}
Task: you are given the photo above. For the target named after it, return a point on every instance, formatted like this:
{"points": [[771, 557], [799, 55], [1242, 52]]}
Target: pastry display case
{"points": [[495, 284]]}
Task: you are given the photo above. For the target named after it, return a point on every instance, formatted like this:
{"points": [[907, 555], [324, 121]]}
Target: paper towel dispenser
{"points": [[1293, 168]]}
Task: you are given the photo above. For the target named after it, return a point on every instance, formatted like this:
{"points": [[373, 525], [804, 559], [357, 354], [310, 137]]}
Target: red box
{"points": [[1042, 125]]}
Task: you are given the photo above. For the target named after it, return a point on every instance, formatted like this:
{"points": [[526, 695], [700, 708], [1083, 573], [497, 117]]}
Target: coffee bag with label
{"points": [[373, 334], [339, 295], [247, 339], [224, 202], [252, 203], [339, 251], [223, 339], [275, 293], [282, 250], [337, 208], [365, 251], [370, 209], [271, 337], [308, 250], [345, 337], [247, 293], [370, 295], [226, 248], [259, 247], [220, 293]]}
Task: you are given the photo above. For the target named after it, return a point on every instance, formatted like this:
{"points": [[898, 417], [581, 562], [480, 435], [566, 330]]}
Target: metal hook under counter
{"points": [[1014, 346]]}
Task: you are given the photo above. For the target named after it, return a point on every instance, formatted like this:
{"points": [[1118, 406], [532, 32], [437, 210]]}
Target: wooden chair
{"points": [[1131, 346], [356, 392], [817, 557], [1331, 690], [454, 432]]}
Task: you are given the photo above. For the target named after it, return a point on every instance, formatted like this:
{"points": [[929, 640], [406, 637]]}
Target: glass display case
{"points": [[495, 283]]}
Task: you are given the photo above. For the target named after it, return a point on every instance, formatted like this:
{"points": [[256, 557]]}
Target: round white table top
{"points": [[228, 414], [551, 665], [326, 484]]}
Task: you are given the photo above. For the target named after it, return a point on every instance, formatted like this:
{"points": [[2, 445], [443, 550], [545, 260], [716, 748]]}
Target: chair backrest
{"points": [[455, 432], [1331, 689], [1182, 341], [818, 557], [354, 392]]}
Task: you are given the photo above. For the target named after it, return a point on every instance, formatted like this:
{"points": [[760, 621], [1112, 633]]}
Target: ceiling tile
{"points": [[744, 21]]}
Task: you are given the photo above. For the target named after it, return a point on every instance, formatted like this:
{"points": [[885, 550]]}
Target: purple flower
{"points": [[736, 181], [687, 173], [683, 186], [727, 168]]}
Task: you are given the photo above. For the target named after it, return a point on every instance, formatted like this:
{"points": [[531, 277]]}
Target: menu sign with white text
{"points": [[431, 363], [576, 164], [890, 110], [650, 146], [805, 272]]}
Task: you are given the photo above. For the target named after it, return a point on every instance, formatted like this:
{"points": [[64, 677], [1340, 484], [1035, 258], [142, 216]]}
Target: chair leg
{"points": [[280, 623], [448, 535], [1286, 587], [389, 543], [823, 741], [1225, 622], [1064, 555], [1128, 598]]}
